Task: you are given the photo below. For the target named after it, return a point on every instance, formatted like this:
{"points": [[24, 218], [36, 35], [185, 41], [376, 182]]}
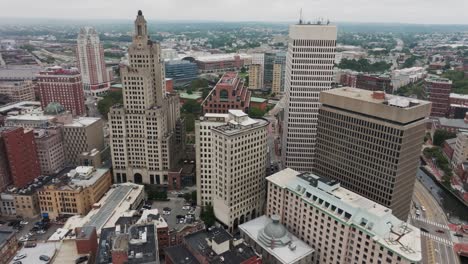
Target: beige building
{"points": [[460, 152], [75, 192], [27, 204], [82, 135], [50, 149], [342, 226], [18, 90], [239, 150], [309, 71], [278, 78], [255, 76], [144, 134], [370, 142], [204, 155]]}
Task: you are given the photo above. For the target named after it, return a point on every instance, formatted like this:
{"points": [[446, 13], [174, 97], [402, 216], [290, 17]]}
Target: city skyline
{"points": [[395, 11]]}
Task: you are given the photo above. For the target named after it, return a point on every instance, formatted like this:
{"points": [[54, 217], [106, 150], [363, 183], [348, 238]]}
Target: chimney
{"points": [[379, 95]]}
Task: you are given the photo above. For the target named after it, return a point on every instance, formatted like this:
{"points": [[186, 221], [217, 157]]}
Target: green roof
{"points": [[257, 99], [194, 96]]}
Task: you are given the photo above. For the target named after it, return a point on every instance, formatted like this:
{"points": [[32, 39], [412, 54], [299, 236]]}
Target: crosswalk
{"points": [[430, 222], [438, 239]]}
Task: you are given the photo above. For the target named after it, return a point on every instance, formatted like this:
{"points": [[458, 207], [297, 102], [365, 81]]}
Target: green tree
{"points": [[409, 62], [440, 135], [187, 197], [193, 196], [112, 98], [243, 70], [363, 65], [199, 83], [255, 112], [207, 215], [191, 106]]}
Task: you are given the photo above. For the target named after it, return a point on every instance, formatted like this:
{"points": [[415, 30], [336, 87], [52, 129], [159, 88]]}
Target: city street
{"points": [[437, 242]]}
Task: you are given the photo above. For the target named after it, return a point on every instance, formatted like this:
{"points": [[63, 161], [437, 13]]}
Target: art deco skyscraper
{"points": [[90, 60], [370, 142], [144, 139], [309, 70]]}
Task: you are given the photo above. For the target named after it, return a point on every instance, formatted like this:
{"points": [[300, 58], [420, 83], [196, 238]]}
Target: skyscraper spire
{"points": [[141, 30]]}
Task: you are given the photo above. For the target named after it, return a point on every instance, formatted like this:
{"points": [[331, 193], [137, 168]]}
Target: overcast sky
{"points": [[404, 11]]}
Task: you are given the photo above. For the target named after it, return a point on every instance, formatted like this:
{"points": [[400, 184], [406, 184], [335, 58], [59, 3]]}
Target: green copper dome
{"points": [[54, 109]]}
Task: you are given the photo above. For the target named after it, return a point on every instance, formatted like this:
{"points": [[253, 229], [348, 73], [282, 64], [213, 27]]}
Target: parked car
{"points": [[23, 223], [81, 259], [44, 258], [458, 235], [424, 229], [18, 262], [423, 208], [440, 231], [30, 245], [20, 256]]}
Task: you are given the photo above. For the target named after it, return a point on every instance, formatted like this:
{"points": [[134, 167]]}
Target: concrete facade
{"points": [[18, 90], [50, 149], [370, 142], [144, 137], [309, 71]]}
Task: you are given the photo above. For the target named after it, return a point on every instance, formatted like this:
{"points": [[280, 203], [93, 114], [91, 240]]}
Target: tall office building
{"points": [[255, 77], [370, 142], [63, 86], [268, 65], [341, 225], [239, 152], [143, 130], [21, 154], [204, 155], [438, 90], [90, 58], [309, 71], [259, 60], [279, 68]]}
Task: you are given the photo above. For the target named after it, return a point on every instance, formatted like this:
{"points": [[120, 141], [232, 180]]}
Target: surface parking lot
{"points": [[176, 205]]}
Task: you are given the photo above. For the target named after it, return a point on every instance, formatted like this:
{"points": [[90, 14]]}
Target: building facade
{"points": [[143, 131], [50, 149], [8, 244], [75, 192], [239, 150], [18, 91], [309, 71], [460, 152], [279, 69], [342, 226], [438, 90], [220, 64], [82, 135], [204, 155], [181, 70], [90, 58], [62, 86], [21, 153], [370, 142], [229, 93], [255, 77]]}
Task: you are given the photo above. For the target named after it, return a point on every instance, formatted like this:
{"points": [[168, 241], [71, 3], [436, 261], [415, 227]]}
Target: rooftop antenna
{"points": [[300, 17]]}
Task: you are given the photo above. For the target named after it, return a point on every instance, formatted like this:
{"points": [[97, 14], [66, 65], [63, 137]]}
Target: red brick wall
{"points": [[262, 106], [119, 257], [87, 245], [163, 239], [22, 156], [439, 94], [174, 181]]}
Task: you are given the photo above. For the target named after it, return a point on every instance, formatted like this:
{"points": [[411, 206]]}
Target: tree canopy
{"points": [[363, 65], [112, 98], [440, 135]]}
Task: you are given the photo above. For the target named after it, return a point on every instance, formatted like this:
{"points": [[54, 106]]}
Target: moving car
{"points": [[440, 231], [44, 258]]}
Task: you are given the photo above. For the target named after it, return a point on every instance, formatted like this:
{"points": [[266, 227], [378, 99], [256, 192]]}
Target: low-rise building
{"points": [[342, 226], [75, 192], [273, 241], [18, 90], [181, 70], [229, 93], [213, 246], [259, 103], [8, 244], [220, 63]]}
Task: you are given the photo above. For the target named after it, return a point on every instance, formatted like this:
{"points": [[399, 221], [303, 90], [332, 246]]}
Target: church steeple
{"points": [[141, 30]]}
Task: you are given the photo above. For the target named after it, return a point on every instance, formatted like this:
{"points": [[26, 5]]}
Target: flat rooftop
{"points": [[355, 210], [402, 110], [20, 106], [283, 254], [239, 122], [75, 178], [5, 234], [83, 122], [180, 255]]}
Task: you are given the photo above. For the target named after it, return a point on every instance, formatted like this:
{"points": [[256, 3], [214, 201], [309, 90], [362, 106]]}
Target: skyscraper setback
{"points": [[309, 70], [370, 142], [90, 58], [143, 129]]}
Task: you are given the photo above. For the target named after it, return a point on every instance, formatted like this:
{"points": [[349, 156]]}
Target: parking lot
{"points": [[27, 228], [176, 205]]}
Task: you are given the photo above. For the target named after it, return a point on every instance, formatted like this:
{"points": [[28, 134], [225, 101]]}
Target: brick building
{"points": [[229, 93], [21, 154], [219, 63], [63, 86], [438, 91], [374, 82]]}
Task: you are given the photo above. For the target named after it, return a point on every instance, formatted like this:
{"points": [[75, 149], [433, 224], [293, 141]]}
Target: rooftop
{"points": [[257, 99], [459, 96], [457, 123], [83, 122], [180, 255], [283, 253], [402, 110], [193, 96], [220, 57], [57, 70], [437, 79], [5, 234], [24, 105], [239, 121], [355, 210], [80, 177]]}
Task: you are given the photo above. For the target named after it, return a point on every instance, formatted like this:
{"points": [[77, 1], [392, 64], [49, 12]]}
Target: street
{"points": [[437, 245]]}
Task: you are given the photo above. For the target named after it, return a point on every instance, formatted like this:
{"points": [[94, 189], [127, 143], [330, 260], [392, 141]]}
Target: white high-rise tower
{"points": [[90, 60], [146, 136], [309, 70]]}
